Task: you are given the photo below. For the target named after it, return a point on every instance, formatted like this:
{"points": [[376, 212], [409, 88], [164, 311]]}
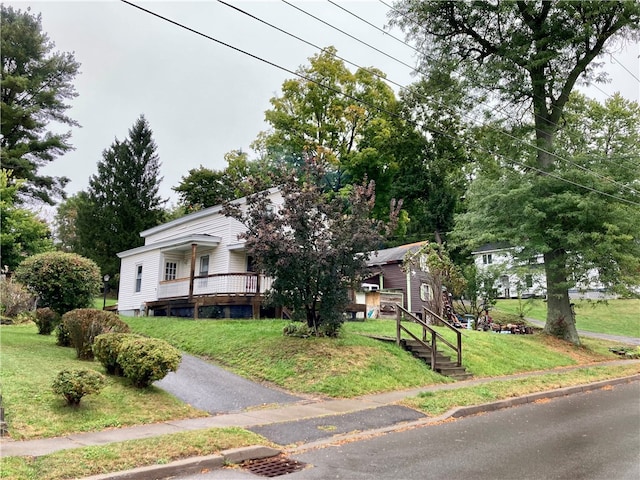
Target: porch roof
{"points": [[178, 244]]}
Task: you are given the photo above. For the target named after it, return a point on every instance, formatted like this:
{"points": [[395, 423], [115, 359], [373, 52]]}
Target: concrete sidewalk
{"points": [[288, 415]]}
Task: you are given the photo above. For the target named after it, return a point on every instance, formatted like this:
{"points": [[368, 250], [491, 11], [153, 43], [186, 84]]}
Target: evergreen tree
{"points": [[122, 199], [36, 82]]}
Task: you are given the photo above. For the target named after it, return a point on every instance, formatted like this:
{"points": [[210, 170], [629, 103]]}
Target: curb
{"points": [[534, 397], [190, 466]]}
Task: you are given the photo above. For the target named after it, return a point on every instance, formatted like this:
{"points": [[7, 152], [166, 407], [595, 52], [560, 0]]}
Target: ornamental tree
{"points": [[315, 245]]}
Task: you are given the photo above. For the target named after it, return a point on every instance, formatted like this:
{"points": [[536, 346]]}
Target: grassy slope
{"points": [[29, 364], [616, 317], [352, 365]]}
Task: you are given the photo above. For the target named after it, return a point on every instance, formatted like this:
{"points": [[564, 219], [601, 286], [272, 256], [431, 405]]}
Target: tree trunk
{"points": [[560, 320]]}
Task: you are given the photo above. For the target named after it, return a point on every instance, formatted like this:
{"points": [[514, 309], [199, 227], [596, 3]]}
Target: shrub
{"points": [[62, 335], [15, 299], [46, 320], [75, 384], [145, 360], [296, 329], [63, 281], [83, 325], [106, 348]]}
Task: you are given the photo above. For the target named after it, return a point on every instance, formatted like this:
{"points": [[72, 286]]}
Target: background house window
{"points": [[487, 259], [170, 270], [425, 292], [138, 278], [528, 281]]}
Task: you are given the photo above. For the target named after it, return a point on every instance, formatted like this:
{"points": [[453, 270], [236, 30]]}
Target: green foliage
{"points": [[46, 320], [313, 244], [297, 329], [62, 281], [534, 53], [106, 348], [145, 360], [15, 299], [22, 233], [204, 187], [122, 199], [65, 222], [36, 83], [83, 325], [75, 384]]}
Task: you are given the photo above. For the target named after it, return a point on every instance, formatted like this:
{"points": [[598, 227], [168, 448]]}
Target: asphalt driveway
{"points": [[215, 390]]}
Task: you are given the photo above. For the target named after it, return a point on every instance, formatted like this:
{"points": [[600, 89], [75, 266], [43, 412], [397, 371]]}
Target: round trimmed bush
{"points": [[75, 384], [83, 325], [46, 320], [145, 360], [106, 348], [63, 281]]}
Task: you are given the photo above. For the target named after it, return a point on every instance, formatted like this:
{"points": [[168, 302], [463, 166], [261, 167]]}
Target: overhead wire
{"points": [[359, 100], [519, 140]]}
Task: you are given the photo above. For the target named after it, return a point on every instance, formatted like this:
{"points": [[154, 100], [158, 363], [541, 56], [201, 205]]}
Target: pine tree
{"points": [[36, 82], [122, 199]]}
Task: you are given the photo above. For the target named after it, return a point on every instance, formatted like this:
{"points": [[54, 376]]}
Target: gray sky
{"points": [[203, 99]]}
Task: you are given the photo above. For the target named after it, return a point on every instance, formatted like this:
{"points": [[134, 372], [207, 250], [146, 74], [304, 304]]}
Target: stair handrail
{"points": [[435, 336], [457, 349]]}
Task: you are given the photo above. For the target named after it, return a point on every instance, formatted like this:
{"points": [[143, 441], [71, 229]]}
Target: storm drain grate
{"points": [[273, 466]]}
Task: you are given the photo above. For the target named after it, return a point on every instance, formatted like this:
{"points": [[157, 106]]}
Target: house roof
{"points": [[195, 215], [492, 247], [393, 255], [175, 244]]}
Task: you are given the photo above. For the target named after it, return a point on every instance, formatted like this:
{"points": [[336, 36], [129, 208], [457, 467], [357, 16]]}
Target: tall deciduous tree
{"points": [[333, 114], [122, 199], [531, 52], [315, 246], [36, 84]]}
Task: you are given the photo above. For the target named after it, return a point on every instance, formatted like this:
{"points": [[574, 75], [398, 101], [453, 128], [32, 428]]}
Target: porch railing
{"points": [[217, 284]]}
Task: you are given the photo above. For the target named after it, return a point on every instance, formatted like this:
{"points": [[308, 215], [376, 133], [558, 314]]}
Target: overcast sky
{"points": [[203, 99]]}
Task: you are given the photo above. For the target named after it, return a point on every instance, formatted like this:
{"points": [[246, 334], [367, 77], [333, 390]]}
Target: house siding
{"points": [[129, 301]]}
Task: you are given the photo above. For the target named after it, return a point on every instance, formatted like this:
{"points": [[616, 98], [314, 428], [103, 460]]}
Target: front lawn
{"points": [[29, 364], [615, 317], [353, 364]]}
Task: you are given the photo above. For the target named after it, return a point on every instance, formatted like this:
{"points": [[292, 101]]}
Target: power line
{"points": [[624, 66], [419, 71], [304, 77]]}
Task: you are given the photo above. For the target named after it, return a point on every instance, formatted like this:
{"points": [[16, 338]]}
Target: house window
{"points": [[170, 270], [204, 265], [528, 280], [487, 259], [425, 292], [138, 278]]}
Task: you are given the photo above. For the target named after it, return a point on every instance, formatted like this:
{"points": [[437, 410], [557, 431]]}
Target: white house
{"points": [[514, 278], [193, 266], [518, 278]]}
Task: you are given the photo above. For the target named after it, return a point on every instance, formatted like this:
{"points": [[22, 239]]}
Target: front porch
{"points": [[223, 295]]}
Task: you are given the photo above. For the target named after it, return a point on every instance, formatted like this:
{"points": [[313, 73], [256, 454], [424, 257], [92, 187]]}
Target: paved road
{"points": [[589, 436], [215, 390]]}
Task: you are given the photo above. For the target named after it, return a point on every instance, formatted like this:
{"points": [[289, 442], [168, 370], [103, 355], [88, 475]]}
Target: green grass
{"points": [[113, 457], [29, 364], [345, 367], [436, 403], [615, 317], [353, 364]]}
